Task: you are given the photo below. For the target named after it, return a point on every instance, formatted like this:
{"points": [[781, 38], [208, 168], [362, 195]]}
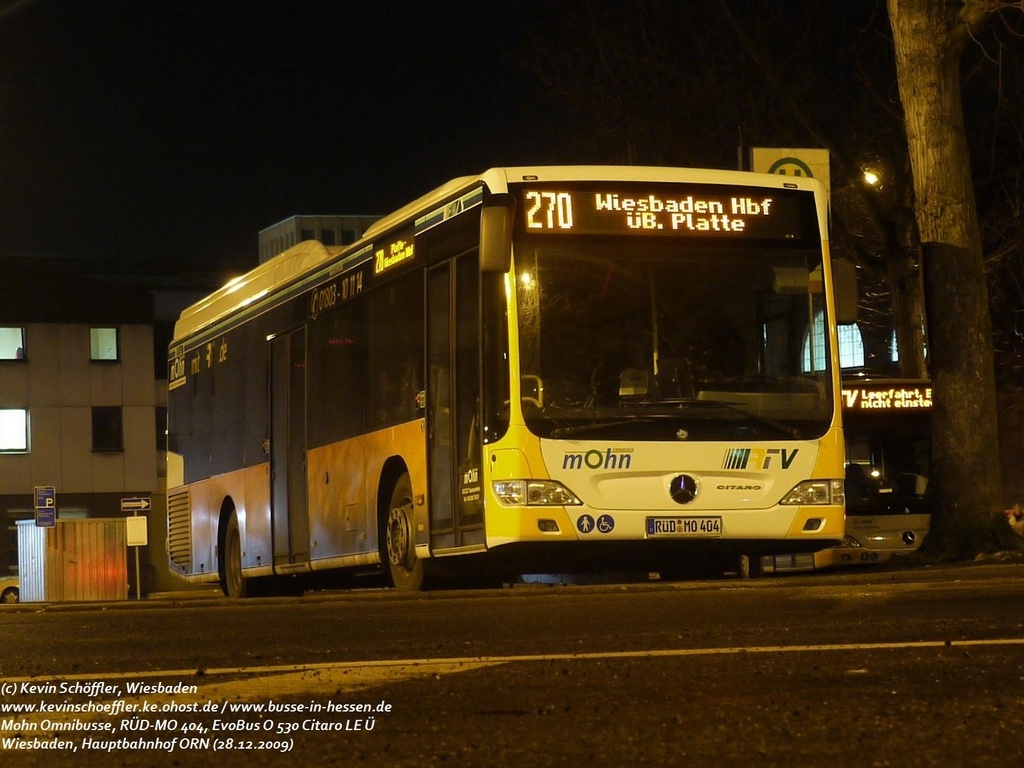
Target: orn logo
{"points": [[791, 166]]}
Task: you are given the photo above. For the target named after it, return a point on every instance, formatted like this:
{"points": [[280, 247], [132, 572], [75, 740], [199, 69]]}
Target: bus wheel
{"points": [[405, 569], [233, 583]]}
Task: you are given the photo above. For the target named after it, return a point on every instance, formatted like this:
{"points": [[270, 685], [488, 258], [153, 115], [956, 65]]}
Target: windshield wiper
{"points": [[582, 429], [674, 410], [780, 426]]}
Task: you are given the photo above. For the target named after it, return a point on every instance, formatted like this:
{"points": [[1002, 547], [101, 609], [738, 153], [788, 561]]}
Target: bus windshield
{"points": [[657, 339]]}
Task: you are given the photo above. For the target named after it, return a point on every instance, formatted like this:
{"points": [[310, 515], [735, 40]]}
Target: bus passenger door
{"points": [[453, 403], [289, 514]]}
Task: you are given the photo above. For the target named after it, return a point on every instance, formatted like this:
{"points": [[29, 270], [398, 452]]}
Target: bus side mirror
{"points": [[844, 278], [496, 233]]}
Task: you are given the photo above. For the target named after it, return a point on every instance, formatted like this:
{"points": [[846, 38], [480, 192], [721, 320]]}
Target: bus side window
{"points": [[408, 387], [441, 405]]}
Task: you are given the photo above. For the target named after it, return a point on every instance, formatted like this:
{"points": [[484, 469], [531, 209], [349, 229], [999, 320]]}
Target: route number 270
{"points": [[549, 210]]}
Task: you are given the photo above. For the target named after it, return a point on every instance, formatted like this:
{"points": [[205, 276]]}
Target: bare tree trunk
{"points": [[907, 289], [908, 312], [929, 37]]}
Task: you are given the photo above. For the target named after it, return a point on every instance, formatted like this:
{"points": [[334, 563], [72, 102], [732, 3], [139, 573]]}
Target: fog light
{"points": [[547, 526], [814, 524]]}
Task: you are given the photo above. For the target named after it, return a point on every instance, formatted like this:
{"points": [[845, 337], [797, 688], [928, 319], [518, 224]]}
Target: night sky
{"points": [[172, 132]]}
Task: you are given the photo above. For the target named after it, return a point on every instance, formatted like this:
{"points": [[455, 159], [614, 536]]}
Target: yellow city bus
{"points": [[546, 369]]}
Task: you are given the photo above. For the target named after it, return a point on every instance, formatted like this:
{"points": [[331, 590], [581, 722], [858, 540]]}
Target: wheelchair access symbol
{"points": [[603, 524]]}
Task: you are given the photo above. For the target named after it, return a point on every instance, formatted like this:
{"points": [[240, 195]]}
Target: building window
{"points": [[9, 565], [13, 430], [348, 236], [851, 346], [103, 344], [107, 435], [328, 237], [12, 343]]}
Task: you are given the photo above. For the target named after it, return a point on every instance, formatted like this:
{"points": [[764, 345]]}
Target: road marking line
{"points": [[444, 665]]}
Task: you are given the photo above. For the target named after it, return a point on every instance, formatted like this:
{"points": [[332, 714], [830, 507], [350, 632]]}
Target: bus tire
{"points": [[404, 568], [233, 583]]}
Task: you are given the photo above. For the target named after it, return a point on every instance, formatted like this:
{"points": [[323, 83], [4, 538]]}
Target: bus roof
{"points": [[242, 291], [245, 289]]}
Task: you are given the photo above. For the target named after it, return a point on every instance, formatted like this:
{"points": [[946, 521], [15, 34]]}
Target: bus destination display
{"points": [[672, 210], [886, 397]]}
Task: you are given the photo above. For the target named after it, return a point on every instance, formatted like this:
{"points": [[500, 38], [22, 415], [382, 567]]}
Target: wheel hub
{"points": [[399, 538]]}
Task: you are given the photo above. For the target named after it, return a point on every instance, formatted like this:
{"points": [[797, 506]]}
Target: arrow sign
{"points": [[136, 505]]}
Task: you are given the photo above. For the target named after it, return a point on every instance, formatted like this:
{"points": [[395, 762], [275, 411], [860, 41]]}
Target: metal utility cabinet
{"points": [[77, 560]]}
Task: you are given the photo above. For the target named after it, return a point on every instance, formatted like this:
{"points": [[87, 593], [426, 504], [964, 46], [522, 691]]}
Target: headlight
{"points": [[812, 492], [534, 493]]}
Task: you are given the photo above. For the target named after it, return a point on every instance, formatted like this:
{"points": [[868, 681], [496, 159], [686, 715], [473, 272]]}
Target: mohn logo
{"points": [[611, 458]]}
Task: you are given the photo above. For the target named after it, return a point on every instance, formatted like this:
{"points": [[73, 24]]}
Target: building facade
{"points": [[83, 395]]}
